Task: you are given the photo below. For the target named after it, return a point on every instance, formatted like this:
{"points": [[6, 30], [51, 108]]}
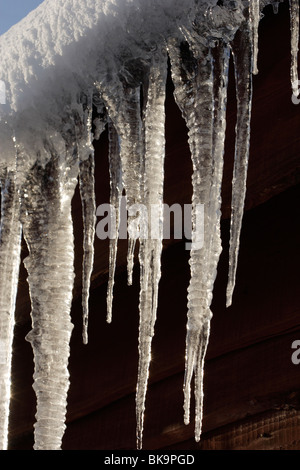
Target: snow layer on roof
{"points": [[62, 48]]}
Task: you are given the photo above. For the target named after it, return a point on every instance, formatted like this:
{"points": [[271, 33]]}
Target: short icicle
{"points": [[48, 231], [131, 155], [10, 247], [151, 245], [254, 18], [124, 110], [116, 186], [242, 58], [294, 20], [221, 55]]}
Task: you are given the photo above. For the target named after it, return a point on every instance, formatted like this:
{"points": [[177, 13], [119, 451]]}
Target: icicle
{"points": [[213, 240], [115, 201], [294, 18], [221, 55], [254, 17], [203, 104], [125, 112], [10, 246], [275, 6], [131, 151], [242, 57], [48, 230], [87, 193], [151, 246], [199, 292], [194, 95]]}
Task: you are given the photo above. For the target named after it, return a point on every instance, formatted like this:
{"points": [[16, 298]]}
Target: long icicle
{"points": [[85, 153], [151, 246], [194, 94], [10, 247], [213, 240], [199, 292], [242, 57], [48, 231], [204, 108], [88, 202], [116, 187]]}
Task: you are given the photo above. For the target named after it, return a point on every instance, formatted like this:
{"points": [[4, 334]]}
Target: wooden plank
{"points": [[238, 386], [273, 430]]}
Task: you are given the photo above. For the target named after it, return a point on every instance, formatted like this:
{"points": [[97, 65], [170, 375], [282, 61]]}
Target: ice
{"points": [[116, 187], [276, 7], [294, 15], [200, 90], [254, 17], [87, 192], [124, 109], [242, 56], [151, 247], [67, 70], [85, 150], [10, 246], [48, 231]]}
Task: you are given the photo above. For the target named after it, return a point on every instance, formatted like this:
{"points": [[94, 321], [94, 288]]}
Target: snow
{"points": [[55, 55], [72, 61]]}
